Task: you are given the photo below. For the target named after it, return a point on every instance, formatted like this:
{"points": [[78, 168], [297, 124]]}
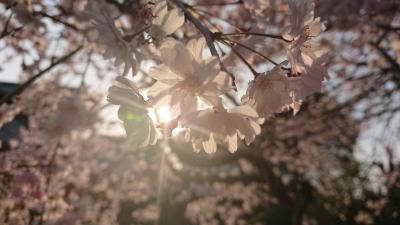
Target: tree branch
{"points": [[56, 18], [27, 83], [387, 57], [204, 30], [208, 35], [273, 36]]}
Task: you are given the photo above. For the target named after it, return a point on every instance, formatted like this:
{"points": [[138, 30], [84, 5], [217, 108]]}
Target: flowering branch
{"points": [[225, 42], [256, 34], [208, 35], [203, 12], [243, 59], [56, 18], [30, 81], [206, 32], [252, 50]]}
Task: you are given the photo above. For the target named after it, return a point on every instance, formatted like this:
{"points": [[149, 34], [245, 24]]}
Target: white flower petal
{"points": [[210, 146], [162, 72], [245, 110], [196, 47]]}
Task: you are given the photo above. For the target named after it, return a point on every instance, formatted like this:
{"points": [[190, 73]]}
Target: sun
{"points": [[163, 114]]}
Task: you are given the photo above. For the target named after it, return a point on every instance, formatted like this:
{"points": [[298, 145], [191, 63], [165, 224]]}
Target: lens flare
{"points": [[164, 114]]}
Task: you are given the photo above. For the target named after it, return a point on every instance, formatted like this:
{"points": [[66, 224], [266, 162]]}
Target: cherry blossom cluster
{"points": [[192, 83]]}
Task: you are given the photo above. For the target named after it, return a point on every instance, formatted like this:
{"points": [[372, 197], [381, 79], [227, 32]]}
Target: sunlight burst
{"points": [[164, 115]]}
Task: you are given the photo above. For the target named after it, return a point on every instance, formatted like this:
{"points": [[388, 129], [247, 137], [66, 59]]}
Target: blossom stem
{"points": [[10, 32], [208, 35], [241, 58], [205, 12], [279, 37], [57, 19], [254, 51], [206, 20], [6, 25]]}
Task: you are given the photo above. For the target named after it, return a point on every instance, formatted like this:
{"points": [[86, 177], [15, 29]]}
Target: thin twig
{"points": [[11, 32], [131, 36], [239, 2], [255, 73], [274, 36], [206, 32], [6, 25], [208, 35], [205, 12], [207, 20], [58, 20], [387, 57], [84, 72], [232, 99], [254, 51], [27, 83]]}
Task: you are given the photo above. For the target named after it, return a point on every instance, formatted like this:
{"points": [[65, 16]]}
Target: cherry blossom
{"points": [[223, 127], [269, 93], [111, 38], [138, 124], [165, 21], [310, 80], [181, 85], [303, 29], [189, 80], [210, 78]]}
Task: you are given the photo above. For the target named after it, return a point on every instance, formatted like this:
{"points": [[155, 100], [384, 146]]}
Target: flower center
{"points": [[190, 84]]}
